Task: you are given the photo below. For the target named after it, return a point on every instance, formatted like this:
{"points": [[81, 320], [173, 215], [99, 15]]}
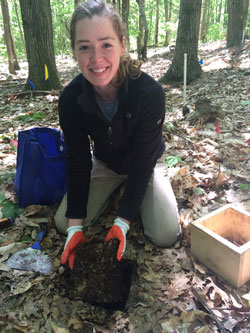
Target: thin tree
{"points": [[12, 58], [76, 2], [225, 21], [140, 37], [202, 19], [118, 6], [20, 29], [37, 26], [114, 3], [235, 23], [168, 15], [142, 47], [219, 12], [125, 14], [245, 13], [187, 42], [156, 33]]}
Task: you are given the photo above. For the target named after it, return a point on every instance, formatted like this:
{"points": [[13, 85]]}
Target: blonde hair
{"points": [[90, 8]]}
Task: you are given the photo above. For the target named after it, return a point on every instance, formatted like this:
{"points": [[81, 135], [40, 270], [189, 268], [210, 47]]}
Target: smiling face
{"points": [[98, 50]]}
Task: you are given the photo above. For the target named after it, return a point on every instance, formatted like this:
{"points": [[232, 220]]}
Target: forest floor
{"points": [[170, 291]]}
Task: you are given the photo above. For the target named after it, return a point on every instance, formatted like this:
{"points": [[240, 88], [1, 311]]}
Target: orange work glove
{"points": [[119, 231], [75, 237]]}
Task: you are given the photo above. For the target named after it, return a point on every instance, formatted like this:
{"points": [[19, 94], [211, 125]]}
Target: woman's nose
{"points": [[96, 54]]}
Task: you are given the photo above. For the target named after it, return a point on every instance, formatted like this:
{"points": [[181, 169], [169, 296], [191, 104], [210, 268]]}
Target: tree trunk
{"points": [[140, 37], [166, 21], [170, 9], [168, 14], [12, 58], [204, 22], [203, 19], [37, 25], [225, 12], [187, 42], [114, 3], [207, 21], [219, 12], [20, 29], [125, 14], [142, 51], [235, 23], [156, 23], [76, 2], [245, 13], [150, 19]]}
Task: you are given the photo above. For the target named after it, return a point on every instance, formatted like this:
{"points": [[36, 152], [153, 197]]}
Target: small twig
{"points": [[210, 311], [179, 135], [13, 85], [187, 141], [242, 309], [185, 80], [219, 171], [235, 309], [7, 81], [34, 92]]}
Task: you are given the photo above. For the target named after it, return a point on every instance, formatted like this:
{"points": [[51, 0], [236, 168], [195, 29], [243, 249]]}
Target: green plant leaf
{"points": [[198, 191], [172, 160], [245, 102], [9, 209], [169, 126], [245, 187], [7, 176], [2, 197], [26, 239], [26, 118]]}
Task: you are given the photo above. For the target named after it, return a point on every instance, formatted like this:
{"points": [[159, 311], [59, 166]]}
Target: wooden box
{"points": [[221, 241]]}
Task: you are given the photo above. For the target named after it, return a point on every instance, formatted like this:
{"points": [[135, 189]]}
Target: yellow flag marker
{"points": [[46, 72]]}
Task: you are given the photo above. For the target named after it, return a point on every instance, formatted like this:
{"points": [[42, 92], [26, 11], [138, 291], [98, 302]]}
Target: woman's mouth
{"points": [[99, 70]]}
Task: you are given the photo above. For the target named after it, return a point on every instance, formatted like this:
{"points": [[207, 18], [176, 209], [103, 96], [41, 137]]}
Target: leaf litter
{"points": [[171, 291]]}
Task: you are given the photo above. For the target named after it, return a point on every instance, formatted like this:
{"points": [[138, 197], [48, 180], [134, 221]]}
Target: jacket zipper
{"points": [[110, 135]]}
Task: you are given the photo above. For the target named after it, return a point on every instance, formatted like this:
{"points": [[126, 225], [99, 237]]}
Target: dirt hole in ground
{"points": [[98, 277]]}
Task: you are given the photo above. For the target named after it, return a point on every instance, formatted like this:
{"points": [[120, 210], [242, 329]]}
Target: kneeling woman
{"points": [[121, 110]]}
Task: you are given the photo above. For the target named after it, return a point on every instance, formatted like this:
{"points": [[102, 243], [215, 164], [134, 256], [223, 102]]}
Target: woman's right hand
{"points": [[75, 237]]}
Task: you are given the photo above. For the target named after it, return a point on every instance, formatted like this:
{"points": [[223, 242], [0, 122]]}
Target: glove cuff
{"points": [[72, 230], [123, 225]]}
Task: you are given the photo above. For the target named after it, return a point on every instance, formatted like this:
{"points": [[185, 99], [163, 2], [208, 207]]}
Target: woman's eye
{"points": [[107, 45], [84, 48]]}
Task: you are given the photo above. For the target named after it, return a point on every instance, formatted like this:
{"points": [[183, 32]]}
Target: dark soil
{"points": [[98, 277]]}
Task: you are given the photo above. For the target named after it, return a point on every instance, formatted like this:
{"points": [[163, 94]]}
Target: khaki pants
{"points": [[159, 213]]}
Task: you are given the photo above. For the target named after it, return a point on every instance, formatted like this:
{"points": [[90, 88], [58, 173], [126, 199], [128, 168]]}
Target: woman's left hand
{"points": [[119, 231]]}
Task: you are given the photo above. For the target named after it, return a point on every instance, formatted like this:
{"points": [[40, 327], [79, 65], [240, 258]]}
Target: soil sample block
{"points": [[221, 241], [98, 277]]}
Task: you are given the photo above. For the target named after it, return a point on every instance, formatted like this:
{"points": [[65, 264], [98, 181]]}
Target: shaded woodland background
{"points": [[38, 31]]}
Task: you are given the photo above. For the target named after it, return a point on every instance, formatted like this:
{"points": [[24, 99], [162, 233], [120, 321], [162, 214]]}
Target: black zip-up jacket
{"points": [[130, 144]]}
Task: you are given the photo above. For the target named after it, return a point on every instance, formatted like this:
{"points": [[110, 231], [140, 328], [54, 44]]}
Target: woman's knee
{"points": [[167, 239], [59, 225], [164, 234], [61, 221]]}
